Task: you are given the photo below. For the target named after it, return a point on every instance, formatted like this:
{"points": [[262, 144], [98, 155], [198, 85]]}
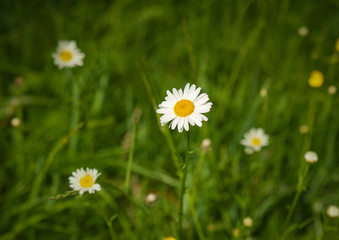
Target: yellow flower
{"points": [[168, 238], [337, 45], [316, 79]]}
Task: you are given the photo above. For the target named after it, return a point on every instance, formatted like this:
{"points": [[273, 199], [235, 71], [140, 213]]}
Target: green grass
{"points": [[135, 51]]}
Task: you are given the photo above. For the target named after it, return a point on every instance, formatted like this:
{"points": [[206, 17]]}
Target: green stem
{"points": [[57, 147], [164, 131], [196, 219], [182, 186], [75, 113], [130, 158], [303, 170]]}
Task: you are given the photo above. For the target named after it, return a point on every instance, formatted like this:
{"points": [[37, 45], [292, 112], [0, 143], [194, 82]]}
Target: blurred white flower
{"points": [[263, 92], [151, 197], [303, 31], [15, 122], [303, 129], [182, 108], [68, 55], [248, 222], [311, 157], [332, 90], [205, 145], [332, 211], [84, 181], [255, 139]]}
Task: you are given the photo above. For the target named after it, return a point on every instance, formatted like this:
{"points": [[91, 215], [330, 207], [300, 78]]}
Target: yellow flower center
{"points": [[316, 79], [256, 141], [337, 44], [86, 181], [183, 108], [66, 56]]}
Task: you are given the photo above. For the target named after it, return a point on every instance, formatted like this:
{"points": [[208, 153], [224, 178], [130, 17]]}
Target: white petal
{"points": [[176, 94], [186, 124], [203, 117], [203, 109], [186, 91], [167, 117], [171, 96], [196, 117], [166, 104], [97, 187], [190, 120], [180, 93], [163, 110], [194, 95], [201, 101], [175, 122], [181, 124]]}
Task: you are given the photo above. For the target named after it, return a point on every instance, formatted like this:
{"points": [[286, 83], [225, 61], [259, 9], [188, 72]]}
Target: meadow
{"points": [[252, 58]]}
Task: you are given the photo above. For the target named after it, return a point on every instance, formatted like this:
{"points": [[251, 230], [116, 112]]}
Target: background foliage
{"points": [[135, 51]]}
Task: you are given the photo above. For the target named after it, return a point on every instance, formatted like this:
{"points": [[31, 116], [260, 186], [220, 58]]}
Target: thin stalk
{"points": [[303, 170], [19, 138], [196, 219], [182, 186], [164, 131], [57, 147], [193, 194], [75, 114], [130, 157]]}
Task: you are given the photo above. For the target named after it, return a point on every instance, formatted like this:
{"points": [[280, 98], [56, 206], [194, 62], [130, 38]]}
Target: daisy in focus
{"points": [[68, 55], [84, 181], [255, 139], [182, 108]]}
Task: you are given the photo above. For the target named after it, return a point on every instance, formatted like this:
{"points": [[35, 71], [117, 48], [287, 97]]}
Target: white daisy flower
{"points": [[332, 211], [248, 222], [255, 139], [303, 31], [311, 157], [84, 181], [182, 108], [68, 55]]}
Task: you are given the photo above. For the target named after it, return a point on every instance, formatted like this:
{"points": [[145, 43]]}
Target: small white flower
{"points": [[333, 211], [303, 129], [332, 89], [311, 157], [68, 55], [151, 197], [182, 108], [255, 139], [303, 31], [15, 122], [248, 222], [205, 145], [263, 92], [84, 181]]}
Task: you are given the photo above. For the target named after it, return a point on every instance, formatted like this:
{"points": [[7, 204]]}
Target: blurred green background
{"points": [[135, 51]]}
